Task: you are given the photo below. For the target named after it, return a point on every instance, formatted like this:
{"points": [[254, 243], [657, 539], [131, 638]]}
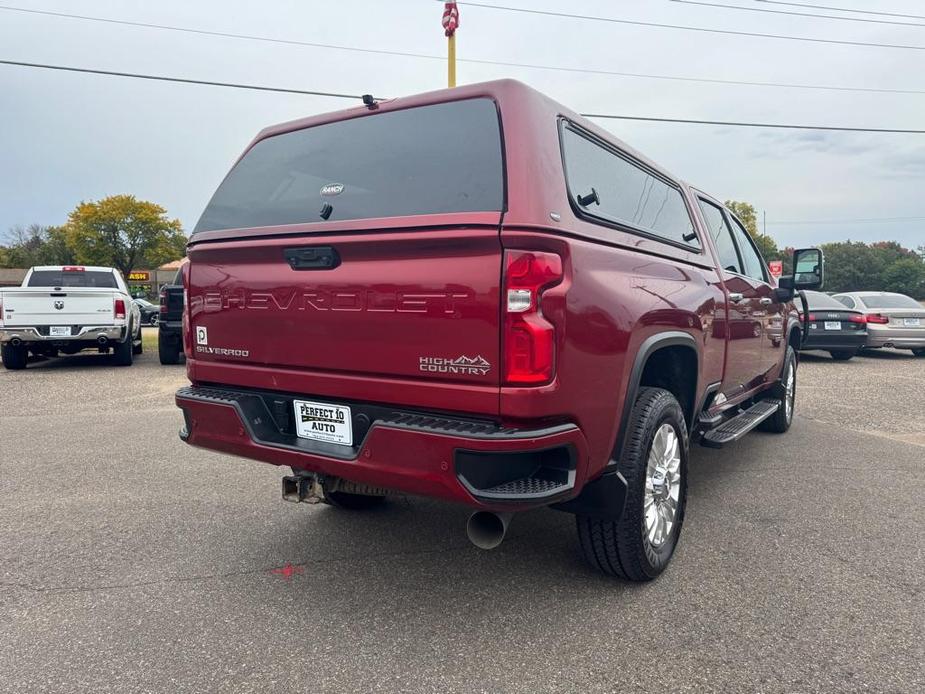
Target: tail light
{"points": [[858, 319], [162, 300], [811, 317], [878, 318], [529, 339], [1, 311], [118, 308]]}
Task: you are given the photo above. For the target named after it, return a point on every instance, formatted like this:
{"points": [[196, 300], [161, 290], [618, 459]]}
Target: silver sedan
{"points": [[893, 320]]}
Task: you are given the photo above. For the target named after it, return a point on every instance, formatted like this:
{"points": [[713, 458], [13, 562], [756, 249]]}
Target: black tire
{"points": [[352, 502], [781, 420], [919, 352], [14, 358], [842, 354], [168, 351], [622, 547], [124, 352]]}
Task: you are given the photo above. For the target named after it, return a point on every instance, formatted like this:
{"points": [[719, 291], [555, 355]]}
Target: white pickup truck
{"points": [[66, 309]]}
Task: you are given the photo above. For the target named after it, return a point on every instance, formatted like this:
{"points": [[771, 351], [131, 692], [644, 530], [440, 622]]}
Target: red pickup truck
{"points": [[477, 295]]}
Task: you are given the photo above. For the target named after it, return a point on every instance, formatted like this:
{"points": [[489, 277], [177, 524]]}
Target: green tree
{"points": [[125, 233], [37, 245], [906, 276]]}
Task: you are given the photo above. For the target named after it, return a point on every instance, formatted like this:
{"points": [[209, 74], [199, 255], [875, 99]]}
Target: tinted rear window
{"points": [[426, 160], [890, 301], [820, 300], [59, 278]]}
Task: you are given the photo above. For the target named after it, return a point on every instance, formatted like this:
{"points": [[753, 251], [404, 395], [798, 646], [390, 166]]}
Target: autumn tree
{"points": [[123, 232]]}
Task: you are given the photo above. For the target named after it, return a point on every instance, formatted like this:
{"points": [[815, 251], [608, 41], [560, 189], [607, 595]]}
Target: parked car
{"points": [[170, 332], [150, 314], [396, 298], [893, 320], [833, 327], [66, 309]]}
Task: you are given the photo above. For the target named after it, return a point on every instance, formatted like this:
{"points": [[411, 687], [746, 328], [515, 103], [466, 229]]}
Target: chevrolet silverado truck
{"points": [[64, 309], [479, 296]]}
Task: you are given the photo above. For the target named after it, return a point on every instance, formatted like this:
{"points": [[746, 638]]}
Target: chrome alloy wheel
{"points": [[790, 386], [663, 485]]}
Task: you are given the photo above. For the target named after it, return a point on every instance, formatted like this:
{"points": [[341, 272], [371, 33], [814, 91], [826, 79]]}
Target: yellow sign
{"points": [[139, 276]]}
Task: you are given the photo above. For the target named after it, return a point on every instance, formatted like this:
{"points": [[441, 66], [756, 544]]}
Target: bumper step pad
{"points": [[737, 427]]}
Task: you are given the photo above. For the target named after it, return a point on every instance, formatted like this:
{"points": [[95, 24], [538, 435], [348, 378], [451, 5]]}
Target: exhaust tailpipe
{"points": [[16, 342], [486, 530], [103, 340]]}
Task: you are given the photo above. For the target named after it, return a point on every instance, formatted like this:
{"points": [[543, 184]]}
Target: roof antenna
{"points": [[370, 102]]}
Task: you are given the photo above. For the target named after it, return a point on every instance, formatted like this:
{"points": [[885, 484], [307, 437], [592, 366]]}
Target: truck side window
{"points": [[722, 237], [606, 186], [754, 265]]}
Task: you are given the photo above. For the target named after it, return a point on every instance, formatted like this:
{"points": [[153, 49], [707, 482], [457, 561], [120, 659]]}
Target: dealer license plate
{"points": [[321, 421], [912, 322], [59, 331], [833, 325]]}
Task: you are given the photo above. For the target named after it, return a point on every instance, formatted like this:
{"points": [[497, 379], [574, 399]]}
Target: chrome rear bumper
{"points": [[85, 333]]}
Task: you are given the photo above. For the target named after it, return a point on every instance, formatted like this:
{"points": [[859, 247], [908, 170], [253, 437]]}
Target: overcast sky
{"points": [[68, 137]]}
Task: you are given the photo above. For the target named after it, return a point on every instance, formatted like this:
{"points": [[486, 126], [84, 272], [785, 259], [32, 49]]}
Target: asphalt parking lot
{"points": [[130, 562]]}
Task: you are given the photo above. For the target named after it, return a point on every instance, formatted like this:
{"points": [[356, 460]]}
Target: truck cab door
{"points": [[745, 311], [767, 309]]}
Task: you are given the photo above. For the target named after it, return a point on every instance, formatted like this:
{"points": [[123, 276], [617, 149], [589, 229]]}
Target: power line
{"points": [[851, 221], [236, 85], [708, 30], [475, 61], [842, 9], [798, 14], [183, 80], [786, 126]]}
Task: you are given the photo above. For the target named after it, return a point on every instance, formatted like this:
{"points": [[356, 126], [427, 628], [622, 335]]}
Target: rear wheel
{"points": [[123, 352], [919, 352], [154, 319], [168, 351], [14, 357], [842, 355], [639, 545], [785, 393]]}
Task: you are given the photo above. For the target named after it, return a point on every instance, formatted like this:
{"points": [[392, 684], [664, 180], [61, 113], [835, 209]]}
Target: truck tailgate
{"points": [[68, 306], [413, 305]]}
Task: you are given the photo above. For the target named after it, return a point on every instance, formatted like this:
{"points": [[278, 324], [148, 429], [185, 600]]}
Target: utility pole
{"points": [[450, 23]]}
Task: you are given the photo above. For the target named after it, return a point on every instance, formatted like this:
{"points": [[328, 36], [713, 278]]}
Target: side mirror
{"points": [[808, 269]]}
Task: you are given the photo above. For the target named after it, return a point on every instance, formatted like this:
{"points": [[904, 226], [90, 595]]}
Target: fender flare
{"points": [[651, 344], [605, 496]]}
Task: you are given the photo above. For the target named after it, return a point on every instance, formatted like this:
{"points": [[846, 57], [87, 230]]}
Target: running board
{"points": [[737, 427]]}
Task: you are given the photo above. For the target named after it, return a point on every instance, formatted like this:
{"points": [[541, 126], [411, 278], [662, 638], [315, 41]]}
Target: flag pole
{"points": [[451, 60]]}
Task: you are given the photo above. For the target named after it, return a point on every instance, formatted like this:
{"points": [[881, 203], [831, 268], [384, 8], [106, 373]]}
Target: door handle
{"points": [[736, 297], [766, 301], [312, 258]]}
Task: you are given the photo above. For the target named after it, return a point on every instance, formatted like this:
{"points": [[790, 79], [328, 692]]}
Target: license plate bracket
{"points": [[324, 422], [59, 331], [833, 325], [912, 322]]}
